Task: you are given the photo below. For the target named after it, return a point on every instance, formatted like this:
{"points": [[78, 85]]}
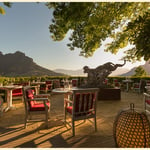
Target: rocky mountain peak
{"points": [[18, 64]]}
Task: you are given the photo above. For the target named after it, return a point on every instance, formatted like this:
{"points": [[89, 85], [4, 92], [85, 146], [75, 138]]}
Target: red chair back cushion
{"points": [[82, 104], [74, 82], [147, 101], [30, 95], [49, 82]]}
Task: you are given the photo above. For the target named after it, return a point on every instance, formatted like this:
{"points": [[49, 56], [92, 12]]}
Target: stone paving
{"points": [[13, 134]]}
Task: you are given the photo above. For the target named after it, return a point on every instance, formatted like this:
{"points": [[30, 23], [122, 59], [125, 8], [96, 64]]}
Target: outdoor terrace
{"points": [[13, 134]]}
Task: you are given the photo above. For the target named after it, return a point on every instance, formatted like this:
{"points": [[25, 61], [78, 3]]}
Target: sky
{"points": [[25, 28]]}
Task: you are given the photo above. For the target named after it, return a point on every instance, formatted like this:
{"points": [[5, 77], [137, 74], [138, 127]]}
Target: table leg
{"points": [[9, 100], [127, 87]]}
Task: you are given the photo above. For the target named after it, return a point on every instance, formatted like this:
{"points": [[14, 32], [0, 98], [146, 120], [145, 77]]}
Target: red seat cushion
{"points": [[148, 101], [49, 82], [35, 106], [39, 106], [136, 86], [69, 109], [17, 92]]}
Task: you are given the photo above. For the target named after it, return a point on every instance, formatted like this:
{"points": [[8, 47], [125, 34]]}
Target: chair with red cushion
{"points": [[136, 87], [49, 84], [81, 107], [147, 103], [139, 86], [43, 88], [116, 83], [74, 82], [17, 93], [35, 105], [56, 83]]}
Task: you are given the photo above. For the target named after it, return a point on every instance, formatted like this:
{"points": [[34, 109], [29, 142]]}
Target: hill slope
{"points": [[146, 66], [79, 72], [17, 64]]}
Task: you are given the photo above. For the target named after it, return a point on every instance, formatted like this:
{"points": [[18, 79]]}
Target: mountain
{"points": [[146, 66], [79, 72], [119, 71], [17, 64]]}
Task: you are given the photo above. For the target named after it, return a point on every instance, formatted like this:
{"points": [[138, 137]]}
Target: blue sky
{"points": [[24, 28]]}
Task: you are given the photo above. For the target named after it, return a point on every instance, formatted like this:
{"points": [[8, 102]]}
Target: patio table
{"points": [[9, 89], [127, 81], [65, 92]]}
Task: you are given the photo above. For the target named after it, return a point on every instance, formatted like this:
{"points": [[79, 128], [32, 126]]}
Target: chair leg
{"points": [[46, 119], [95, 124], [73, 128], [65, 113], [25, 121]]}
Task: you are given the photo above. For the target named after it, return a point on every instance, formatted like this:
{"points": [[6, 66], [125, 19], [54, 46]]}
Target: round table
{"points": [[65, 92], [127, 81]]}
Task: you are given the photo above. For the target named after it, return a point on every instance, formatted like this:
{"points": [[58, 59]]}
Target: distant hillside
{"points": [[146, 66], [79, 72], [17, 64], [119, 71]]}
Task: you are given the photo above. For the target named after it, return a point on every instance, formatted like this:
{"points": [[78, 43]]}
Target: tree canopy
{"points": [[140, 71], [91, 23], [2, 10]]}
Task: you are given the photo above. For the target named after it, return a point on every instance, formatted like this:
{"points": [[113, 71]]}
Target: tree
{"points": [[2, 10], [140, 71], [91, 23]]}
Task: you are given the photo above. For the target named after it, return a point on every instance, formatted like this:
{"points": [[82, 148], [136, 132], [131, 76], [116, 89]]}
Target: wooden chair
{"points": [[17, 94], [43, 88], [116, 83], [136, 87], [105, 82], [147, 82], [74, 82], [81, 107], [56, 83], [49, 84], [139, 86], [35, 105], [1, 106], [146, 103]]}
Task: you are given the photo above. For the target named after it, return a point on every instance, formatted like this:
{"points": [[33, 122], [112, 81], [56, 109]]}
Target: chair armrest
{"points": [[146, 94], [41, 95], [68, 101], [38, 99]]}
